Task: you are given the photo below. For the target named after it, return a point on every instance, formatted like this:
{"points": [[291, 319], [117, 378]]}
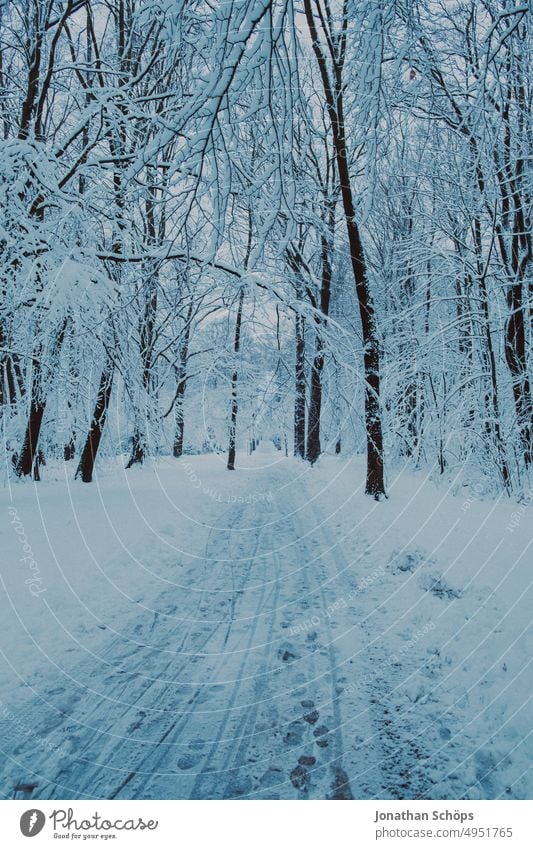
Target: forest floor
{"points": [[178, 631]]}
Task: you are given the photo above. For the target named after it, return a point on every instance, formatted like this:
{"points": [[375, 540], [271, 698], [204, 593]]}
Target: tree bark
{"points": [[315, 400], [234, 380], [492, 400], [147, 330], [314, 448], [177, 448], [88, 457], [333, 90], [27, 458], [28, 453], [299, 396], [181, 385]]}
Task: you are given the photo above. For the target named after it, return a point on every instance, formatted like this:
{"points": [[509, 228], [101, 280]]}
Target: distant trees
{"points": [[475, 80]]}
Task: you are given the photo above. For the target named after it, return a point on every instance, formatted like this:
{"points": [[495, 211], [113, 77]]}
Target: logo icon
{"points": [[32, 822]]}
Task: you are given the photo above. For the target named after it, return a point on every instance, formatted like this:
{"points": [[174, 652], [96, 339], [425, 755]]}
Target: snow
{"points": [[178, 631]]}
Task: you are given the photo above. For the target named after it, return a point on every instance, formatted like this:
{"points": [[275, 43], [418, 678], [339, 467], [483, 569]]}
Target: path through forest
{"points": [[253, 662]]}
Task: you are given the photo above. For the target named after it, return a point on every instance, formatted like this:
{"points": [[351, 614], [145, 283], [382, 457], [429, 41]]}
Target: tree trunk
{"points": [[333, 90], [375, 484], [147, 342], [11, 380], [315, 400], [26, 460], [408, 403], [516, 358], [492, 400], [299, 396], [96, 429], [181, 380], [177, 448], [69, 450], [147, 330], [28, 453], [137, 449], [234, 380], [315, 404]]}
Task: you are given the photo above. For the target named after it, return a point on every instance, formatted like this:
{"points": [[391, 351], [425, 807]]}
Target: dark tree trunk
{"points": [[137, 449], [28, 453], [333, 90], [315, 399], [27, 458], [299, 397], [11, 379], [315, 405], [177, 447], [26, 463], [517, 255], [181, 379], [96, 429], [234, 381], [516, 358], [69, 451], [375, 483]]}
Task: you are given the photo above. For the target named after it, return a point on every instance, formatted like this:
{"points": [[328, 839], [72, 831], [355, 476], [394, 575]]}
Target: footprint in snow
{"points": [[300, 778], [294, 734], [320, 734], [168, 610], [137, 723], [341, 785], [272, 776], [187, 761], [312, 717], [287, 653]]}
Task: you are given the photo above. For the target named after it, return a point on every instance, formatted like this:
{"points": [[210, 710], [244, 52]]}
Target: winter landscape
{"points": [[265, 397]]}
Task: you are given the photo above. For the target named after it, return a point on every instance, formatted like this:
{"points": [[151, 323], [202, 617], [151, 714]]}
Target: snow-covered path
{"points": [[207, 695], [246, 656]]}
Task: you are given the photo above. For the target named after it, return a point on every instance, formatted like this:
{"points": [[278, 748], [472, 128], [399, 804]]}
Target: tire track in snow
{"points": [[100, 705], [155, 768]]}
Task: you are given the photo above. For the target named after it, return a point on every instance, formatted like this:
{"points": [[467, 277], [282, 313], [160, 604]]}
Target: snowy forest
{"points": [[260, 234], [314, 223]]}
